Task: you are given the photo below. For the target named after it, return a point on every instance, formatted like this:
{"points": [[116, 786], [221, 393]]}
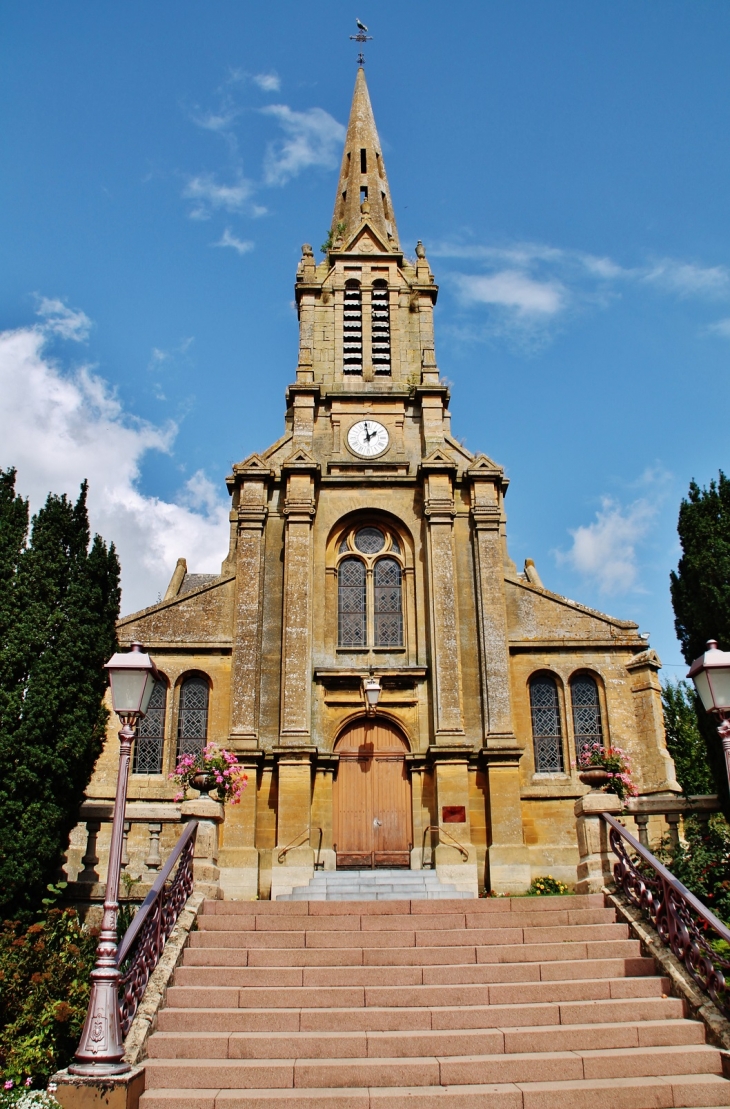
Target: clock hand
{"points": [[368, 434]]}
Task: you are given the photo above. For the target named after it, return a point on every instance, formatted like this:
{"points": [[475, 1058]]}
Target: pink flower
{"points": [[8, 1085], [29, 1081]]}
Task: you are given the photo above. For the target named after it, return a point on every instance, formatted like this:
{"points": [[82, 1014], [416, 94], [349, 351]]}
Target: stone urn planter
{"points": [[204, 782], [595, 777]]}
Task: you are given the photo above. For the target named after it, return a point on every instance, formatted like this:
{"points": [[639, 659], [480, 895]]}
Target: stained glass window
{"points": [[150, 739], [369, 540], [388, 604], [546, 730], [587, 724], [352, 630], [192, 724]]}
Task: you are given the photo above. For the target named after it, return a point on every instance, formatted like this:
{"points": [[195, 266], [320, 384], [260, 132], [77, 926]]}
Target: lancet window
{"points": [[381, 327], [587, 723], [546, 728], [192, 723], [352, 329], [150, 741], [370, 589]]}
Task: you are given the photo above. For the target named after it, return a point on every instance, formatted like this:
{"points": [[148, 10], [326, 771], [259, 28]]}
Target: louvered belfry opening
{"points": [[381, 327], [352, 329]]}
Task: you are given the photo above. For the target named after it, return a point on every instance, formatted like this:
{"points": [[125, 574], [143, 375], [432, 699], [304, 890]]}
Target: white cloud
{"points": [[605, 550], [720, 327], [67, 322], [242, 246], [313, 138], [209, 195], [58, 428], [688, 279], [269, 82], [514, 290]]}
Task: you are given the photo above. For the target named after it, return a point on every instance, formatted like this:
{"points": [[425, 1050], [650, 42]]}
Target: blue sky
{"points": [[567, 166]]}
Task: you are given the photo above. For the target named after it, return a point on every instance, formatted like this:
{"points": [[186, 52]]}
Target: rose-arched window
{"points": [[587, 723], [150, 740], [547, 734], [192, 721], [370, 589]]}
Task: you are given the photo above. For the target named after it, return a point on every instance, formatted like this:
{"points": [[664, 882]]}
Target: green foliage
{"points": [[684, 741], [702, 863], [546, 887], [44, 991], [701, 593], [335, 232], [59, 600]]}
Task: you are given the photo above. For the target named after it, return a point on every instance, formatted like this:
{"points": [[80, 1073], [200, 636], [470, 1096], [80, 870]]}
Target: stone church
{"points": [[368, 544]]}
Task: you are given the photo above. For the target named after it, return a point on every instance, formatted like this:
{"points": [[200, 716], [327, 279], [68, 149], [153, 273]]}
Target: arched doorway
{"points": [[372, 796]]}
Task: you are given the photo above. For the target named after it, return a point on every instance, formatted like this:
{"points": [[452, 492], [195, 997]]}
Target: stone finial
{"points": [[420, 250], [307, 251]]}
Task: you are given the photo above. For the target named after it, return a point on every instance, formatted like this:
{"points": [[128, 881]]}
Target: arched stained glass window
{"points": [[352, 329], [150, 739], [546, 731], [587, 724], [380, 331], [352, 631], [388, 604], [192, 723]]}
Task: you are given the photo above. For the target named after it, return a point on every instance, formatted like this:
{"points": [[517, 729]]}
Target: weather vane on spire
{"points": [[361, 36]]}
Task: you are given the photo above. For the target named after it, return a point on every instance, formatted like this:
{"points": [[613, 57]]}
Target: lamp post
{"points": [[371, 691], [101, 1048], [711, 675]]}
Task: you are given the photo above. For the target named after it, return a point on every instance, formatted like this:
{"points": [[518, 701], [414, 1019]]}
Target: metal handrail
{"points": [[439, 829], [290, 846], [144, 940], [682, 922]]}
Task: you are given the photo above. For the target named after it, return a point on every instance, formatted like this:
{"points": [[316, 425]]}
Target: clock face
{"points": [[367, 438]]}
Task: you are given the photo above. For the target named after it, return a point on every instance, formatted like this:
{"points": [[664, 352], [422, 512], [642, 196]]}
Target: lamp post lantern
{"points": [[101, 1048], [371, 691], [711, 675]]}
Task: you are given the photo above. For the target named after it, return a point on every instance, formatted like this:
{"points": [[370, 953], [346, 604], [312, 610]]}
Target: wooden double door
{"points": [[372, 797]]}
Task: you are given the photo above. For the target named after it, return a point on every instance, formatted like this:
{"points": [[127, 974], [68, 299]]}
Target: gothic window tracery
{"points": [[192, 722], [150, 741], [587, 723], [547, 733], [370, 589]]}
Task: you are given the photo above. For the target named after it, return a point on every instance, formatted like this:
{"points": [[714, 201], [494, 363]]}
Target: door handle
{"points": [[377, 823]]}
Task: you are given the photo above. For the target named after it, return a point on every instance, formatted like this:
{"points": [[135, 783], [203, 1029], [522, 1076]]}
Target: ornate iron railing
{"points": [[682, 922], [144, 940]]}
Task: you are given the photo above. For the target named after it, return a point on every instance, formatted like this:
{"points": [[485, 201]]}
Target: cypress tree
{"points": [[700, 591], [684, 741], [63, 602]]}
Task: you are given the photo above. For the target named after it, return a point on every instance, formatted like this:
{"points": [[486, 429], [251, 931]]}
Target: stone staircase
{"points": [[540, 1003], [374, 885]]}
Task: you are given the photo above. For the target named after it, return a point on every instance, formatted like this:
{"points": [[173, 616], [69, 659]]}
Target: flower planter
{"points": [[204, 782], [595, 777]]}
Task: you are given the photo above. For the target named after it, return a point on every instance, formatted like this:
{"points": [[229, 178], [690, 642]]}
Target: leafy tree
{"points": [[59, 600], [685, 743], [700, 591]]}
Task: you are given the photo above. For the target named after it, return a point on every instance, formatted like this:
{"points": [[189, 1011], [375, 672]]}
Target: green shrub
{"points": [[546, 887], [702, 863], [44, 992]]}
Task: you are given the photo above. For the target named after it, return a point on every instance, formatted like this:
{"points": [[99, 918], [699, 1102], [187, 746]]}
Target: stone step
{"points": [[566, 903], [516, 1067], [412, 975], [179, 1017], [368, 922], [424, 1042], [512, 954], [629, 1093], [415, 937]]}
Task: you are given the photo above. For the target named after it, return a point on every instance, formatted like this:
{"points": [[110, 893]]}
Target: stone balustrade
{"points": [[658, 815]]}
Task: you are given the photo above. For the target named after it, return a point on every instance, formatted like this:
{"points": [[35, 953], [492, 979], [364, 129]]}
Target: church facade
{"points": [[368, 544]]}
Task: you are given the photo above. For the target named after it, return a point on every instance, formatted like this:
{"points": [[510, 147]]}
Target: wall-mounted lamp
{"points": [[371, 691]]}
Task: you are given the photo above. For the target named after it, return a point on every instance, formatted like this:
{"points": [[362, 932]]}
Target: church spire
{"points": [[363, 192]]}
